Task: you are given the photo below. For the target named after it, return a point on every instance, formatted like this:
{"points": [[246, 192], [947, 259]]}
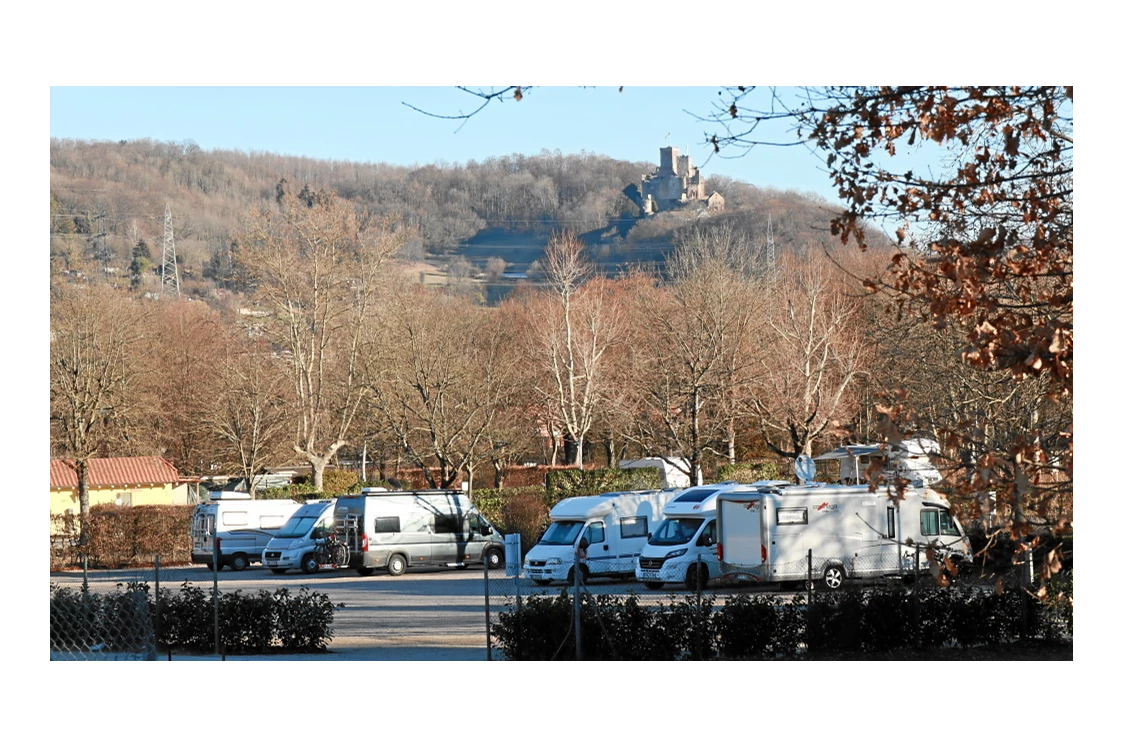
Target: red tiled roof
{"points": [[116, 471]]}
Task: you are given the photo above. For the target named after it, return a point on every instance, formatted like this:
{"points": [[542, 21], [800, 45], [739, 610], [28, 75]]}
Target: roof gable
{"points": [[116, 471]]}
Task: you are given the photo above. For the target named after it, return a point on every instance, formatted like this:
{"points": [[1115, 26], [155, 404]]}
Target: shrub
{"points": [[562, 484], [340, 482], [514, 510], [749, 627], [303, 621], [748, 472], [124, 536]]}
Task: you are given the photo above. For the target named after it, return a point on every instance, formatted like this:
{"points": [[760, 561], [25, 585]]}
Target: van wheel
{"points": [[493, 557], [654, 585], [697, 577], [308, 564], [364, 571], [833, 577], [239, 562], [278, 571], [396, 565]]}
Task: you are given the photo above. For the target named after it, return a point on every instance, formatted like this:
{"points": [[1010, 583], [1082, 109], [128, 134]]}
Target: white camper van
{"points": [[394, 530], [242, 526], [683, 548], [608, 530], [297, 544], [765, 532]]}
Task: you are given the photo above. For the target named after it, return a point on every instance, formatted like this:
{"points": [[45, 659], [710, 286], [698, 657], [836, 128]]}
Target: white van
{"points": [[683, 548], [608, 530], [394, 530], [243, 527], [294, 545]]}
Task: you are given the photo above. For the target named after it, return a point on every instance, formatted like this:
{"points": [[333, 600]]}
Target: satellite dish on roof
{"points": [[804, 468]]}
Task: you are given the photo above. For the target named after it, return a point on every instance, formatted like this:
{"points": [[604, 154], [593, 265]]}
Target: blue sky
{"points": [[375, 124]]}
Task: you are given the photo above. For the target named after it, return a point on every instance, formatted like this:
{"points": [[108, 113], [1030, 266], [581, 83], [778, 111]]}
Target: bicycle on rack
{"points": [[331, 551]]}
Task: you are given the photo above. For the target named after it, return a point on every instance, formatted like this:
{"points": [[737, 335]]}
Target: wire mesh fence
{"points": [[89, 625]]}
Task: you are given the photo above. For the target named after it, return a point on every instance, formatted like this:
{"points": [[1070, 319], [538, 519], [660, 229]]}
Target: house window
{"points": [[124, 499]]}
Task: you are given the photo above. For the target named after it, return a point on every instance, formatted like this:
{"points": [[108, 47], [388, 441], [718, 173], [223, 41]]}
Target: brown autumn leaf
{"points": [[518, 93], [999, 587]]}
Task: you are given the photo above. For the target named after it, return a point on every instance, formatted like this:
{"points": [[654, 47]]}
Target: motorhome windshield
{"points": [[297, 527], [676, 531], [564, 532]]}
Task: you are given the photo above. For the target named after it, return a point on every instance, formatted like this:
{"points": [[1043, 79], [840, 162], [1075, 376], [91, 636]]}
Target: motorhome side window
{"points": [[235, 518], [595, 533], [937, 522], [891, 518], [447, 523], [794, 516], [387, 524], [633, 527]]}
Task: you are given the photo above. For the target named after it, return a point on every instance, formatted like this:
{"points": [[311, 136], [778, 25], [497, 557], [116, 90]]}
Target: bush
{"points": [[340, 482], [748, 472], [124, 536], [514, 510], [563, 484], [119, 621]]}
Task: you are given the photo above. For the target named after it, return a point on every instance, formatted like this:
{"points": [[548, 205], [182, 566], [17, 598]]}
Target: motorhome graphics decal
{"points": [[825, 507]]}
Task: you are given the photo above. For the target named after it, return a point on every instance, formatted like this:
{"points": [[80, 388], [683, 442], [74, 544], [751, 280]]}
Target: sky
{"points": [[383, 124]]}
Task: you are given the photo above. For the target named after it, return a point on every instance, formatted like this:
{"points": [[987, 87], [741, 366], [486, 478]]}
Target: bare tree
{"points": [[94, 335], [314, 265], [812, 352]]}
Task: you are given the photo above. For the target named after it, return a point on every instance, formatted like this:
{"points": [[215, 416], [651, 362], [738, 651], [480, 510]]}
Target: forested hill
{"points": [[107, 197]]}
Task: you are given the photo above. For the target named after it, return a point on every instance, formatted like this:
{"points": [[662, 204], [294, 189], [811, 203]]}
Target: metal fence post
{"points": [[156, 593], [214, 565], [487, 607], [577, 580]]}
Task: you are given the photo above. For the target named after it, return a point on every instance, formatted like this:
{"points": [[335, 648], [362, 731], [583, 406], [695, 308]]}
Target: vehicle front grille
{"points": [[273, 554], [536, 563], [651, 563]]}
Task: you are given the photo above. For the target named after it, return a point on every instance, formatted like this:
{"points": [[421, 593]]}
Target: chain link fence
{"points": [[101, 626]]}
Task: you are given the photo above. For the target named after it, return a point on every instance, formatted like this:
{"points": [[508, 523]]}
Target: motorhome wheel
{"points": [[239, 562], [697, 577], [396, 565], [308, 564], [493, 558], [833, 577]]}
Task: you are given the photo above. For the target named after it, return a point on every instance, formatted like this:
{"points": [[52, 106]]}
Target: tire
{"points": [[833, 577], [697, 577], [396, 565], [493, 557], [364, 571], [239, 562], [278, 572], [309, 564], [654, 585]]}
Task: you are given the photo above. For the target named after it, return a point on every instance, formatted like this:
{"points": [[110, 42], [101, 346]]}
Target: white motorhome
{"points": [[765, 532], [672, 470], [295, 544], [683, 548], [395, 530], [608, 530], [911, 461], [242, 526]]}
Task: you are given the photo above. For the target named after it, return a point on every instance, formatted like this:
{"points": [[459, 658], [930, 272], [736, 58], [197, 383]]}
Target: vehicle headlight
{"points": [[553, 561], [676, 554]]}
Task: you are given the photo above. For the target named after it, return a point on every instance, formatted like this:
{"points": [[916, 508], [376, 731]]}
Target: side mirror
{"points": [[485, 530]]}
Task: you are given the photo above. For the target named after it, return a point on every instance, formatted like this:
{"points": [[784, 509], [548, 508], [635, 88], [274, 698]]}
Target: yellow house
{"points": [[124, 481]]}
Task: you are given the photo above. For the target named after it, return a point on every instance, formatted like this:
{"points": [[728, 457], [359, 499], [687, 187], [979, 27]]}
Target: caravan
{"points": [[241, 525], [770, 533], [606, 531]]}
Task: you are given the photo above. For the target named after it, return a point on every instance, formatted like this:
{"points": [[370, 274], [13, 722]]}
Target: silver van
{"points": [[395, 530]]}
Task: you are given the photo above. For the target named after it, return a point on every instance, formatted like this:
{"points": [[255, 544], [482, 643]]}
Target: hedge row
{"points": [[756, 627], [124, 536], [563, 484], [185, 622]]}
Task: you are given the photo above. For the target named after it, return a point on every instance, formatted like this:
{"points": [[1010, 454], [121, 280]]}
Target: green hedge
{"points": [[562, 484], [852, 622], [124, 536], [748, 472]]}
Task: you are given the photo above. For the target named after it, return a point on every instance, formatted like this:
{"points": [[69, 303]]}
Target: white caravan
{"points": [[394, 530], [243, 527], [672, 470], [294, 545], [608, 531], [765, 532], [683, 548]]}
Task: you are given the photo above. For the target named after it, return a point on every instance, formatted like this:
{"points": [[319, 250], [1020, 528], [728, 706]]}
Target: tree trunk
{"points": [[83, 502]]}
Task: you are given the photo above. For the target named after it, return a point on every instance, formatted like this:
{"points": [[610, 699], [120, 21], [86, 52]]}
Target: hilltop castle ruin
{"points": [[676, 185]]}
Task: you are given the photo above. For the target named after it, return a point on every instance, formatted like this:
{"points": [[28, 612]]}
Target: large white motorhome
{"points": [[295, 544], [395, 530], [766, 532], [683, 548], [242, 526], [608, 530]]}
